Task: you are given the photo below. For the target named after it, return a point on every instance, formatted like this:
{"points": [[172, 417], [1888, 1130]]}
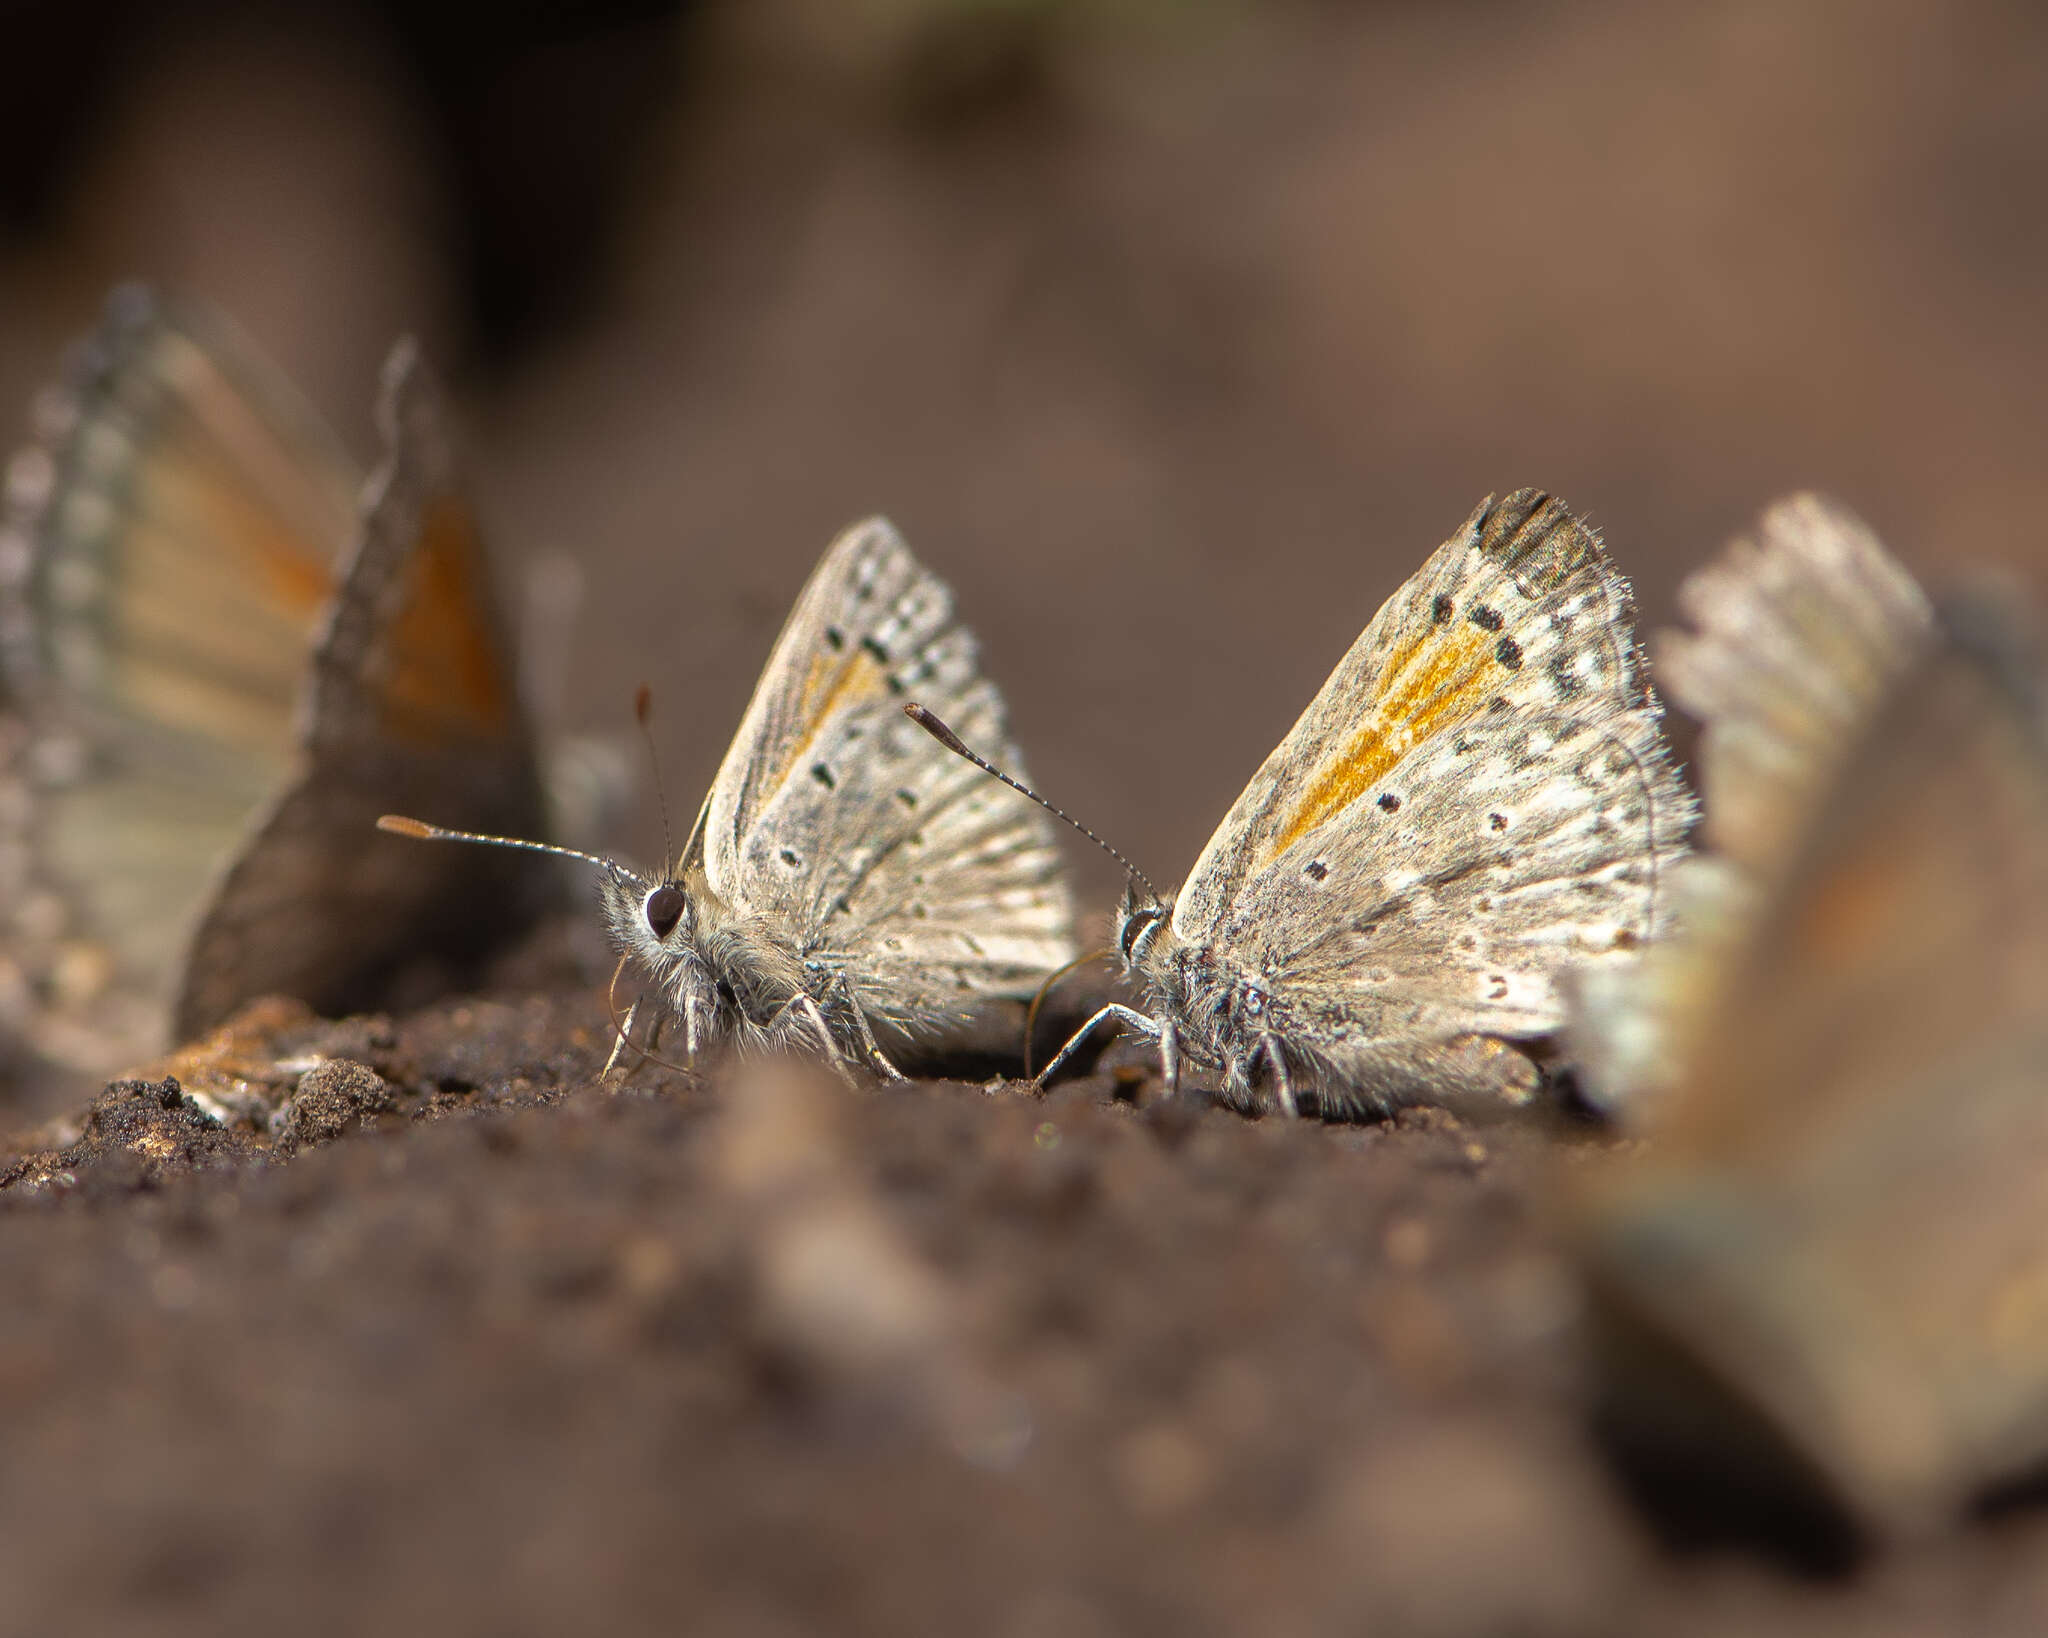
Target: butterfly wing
{"points": [[1796, 634], [169, 542], [412, 708], [1842, 1214], [923, 880], [1478, 799]]}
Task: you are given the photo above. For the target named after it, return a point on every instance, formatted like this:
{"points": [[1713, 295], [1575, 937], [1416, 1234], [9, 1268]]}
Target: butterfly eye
{"points": [[1136, 926], [663, 909]]}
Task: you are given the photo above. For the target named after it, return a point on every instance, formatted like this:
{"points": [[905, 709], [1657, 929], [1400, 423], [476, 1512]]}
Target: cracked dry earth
{"points": [[411, 1325]]}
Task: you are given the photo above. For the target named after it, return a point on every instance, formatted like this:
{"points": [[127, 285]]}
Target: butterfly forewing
{"points": [[169, 541], [893, 861], [412, 706], [1796, 635], [1478, 799], [183, 513]]}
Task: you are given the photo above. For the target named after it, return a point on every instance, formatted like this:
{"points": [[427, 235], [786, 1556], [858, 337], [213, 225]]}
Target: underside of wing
{"points": [[918, 875], [173, 533], [851, 641], [1520, 610], [1839, 1221], [413, 709], [1479, 800], [1502, 855], [1797, 632], [169, 540]]}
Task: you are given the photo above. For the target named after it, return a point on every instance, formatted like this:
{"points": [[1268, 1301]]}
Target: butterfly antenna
{"points": [[398, 825], [952, 741], [643, 714]]}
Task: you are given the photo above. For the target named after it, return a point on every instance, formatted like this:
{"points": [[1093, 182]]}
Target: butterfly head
{"points": [[1144, 925], [650, 920]]}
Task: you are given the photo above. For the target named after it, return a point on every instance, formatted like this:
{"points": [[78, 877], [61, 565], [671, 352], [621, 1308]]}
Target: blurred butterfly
{"points": [[1832, 1245], [1479, 799], [1797, 635], [184, 806], [847, 887]]}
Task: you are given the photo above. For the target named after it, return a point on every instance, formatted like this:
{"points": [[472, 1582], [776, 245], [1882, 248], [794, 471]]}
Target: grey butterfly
{"points": [[847, 887], [1479, 799]]}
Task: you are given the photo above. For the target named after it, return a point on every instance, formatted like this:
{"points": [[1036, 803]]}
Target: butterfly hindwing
{"points": [[1520, 846]]}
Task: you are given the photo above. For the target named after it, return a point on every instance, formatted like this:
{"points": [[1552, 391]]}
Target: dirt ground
{"points": [[1173, 352], [443, 1335]]}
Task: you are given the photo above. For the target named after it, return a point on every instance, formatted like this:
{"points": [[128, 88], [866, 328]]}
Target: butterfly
{"points": [[220, 665], [1796, 634], [1479, 799], [846, 886], [1835, 1223]]}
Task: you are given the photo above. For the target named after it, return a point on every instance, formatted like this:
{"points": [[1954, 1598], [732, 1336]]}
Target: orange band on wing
{"points": [[830, 683], [448, 675], [1438, 679]]}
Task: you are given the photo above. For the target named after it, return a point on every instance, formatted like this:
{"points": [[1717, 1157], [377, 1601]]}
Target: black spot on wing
{"points": [[1315, 870], [1509, 653], [823, 775], [1486, 619], [876, 649], [792, 858], [835, 639], [1390, 803], [907, 797], [1442, 609]]}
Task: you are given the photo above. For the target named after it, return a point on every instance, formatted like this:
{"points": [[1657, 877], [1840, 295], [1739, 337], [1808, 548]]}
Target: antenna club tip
{"points": [[938, 730], [399, 825]]}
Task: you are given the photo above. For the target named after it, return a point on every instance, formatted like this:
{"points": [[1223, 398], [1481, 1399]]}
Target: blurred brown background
{"points": [[1173, 334]]}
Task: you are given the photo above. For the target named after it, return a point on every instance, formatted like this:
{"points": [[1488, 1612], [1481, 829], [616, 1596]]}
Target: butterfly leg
{"points": [[1283, 1083], [690, 1029], [1123, 1015], [1169, 1057], [619, 1034], [875, 1055], [808, 1006]]}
